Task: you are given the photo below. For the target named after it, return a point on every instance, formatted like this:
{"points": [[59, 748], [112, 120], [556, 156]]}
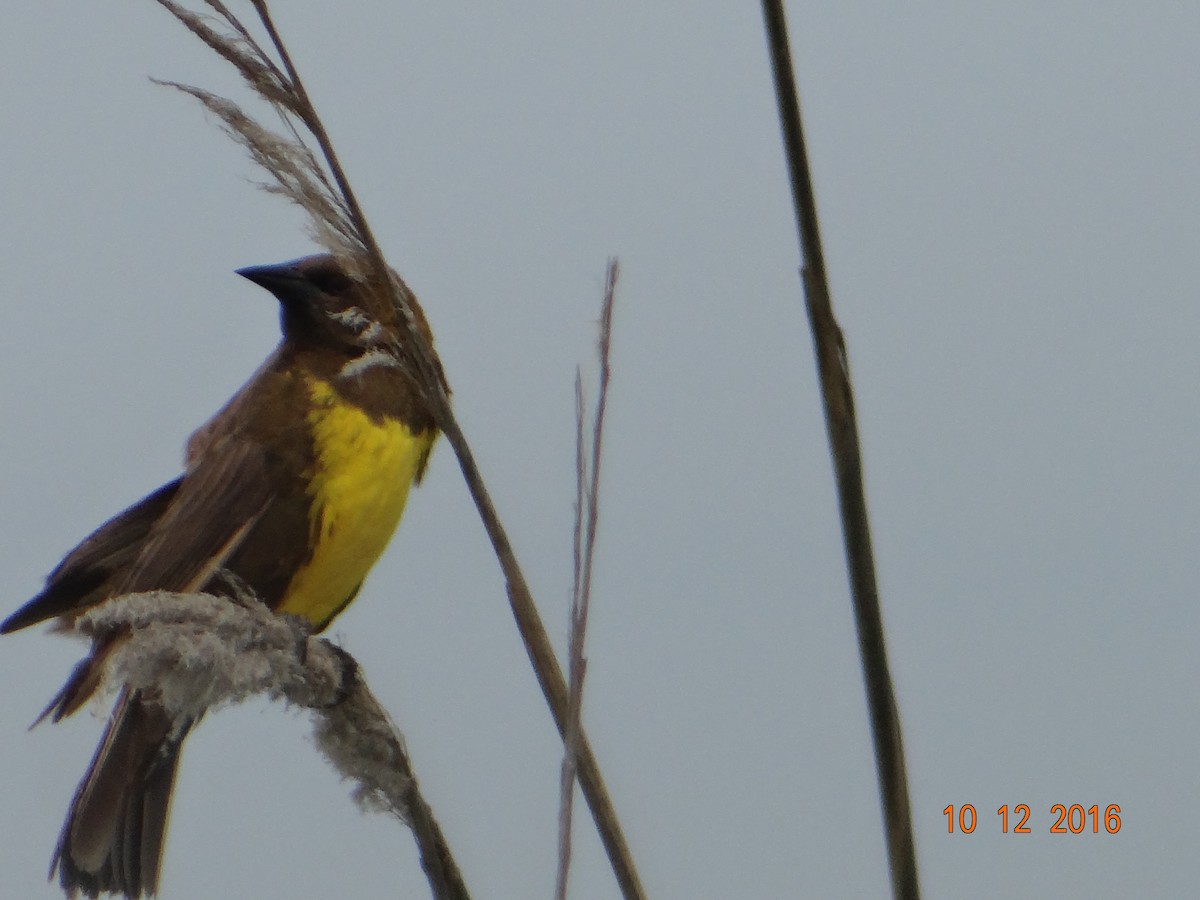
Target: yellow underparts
{"points": [[359, 485]]}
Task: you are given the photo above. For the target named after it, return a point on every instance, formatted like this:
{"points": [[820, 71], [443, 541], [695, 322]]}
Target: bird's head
{"points": [[322, 303]]}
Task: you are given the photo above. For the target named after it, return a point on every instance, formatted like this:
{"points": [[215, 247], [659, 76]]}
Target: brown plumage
{"points": [[243, 506]]}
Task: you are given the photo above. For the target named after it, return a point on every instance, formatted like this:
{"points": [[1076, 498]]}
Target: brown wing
{"points": [[193, 517], [79, 580], [217, 504]]}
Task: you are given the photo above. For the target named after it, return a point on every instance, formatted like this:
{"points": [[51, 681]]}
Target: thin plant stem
{"points": [[842, 429], [587, 512]]}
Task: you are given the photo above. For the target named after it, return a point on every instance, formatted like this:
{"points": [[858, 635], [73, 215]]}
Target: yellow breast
{"points": [[359, 484]]}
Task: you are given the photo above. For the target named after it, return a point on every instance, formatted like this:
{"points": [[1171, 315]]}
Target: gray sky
{"points": [[1010, 206]]}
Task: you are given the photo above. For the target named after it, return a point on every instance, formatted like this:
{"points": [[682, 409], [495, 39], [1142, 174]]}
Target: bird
{"points": [[292, 489]]}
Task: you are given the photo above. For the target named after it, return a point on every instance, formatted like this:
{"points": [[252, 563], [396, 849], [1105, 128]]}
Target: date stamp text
{"points": [[1063, 819]]}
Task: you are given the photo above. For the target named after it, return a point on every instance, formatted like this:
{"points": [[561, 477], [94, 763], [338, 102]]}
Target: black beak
{"points": [[280, 279]]}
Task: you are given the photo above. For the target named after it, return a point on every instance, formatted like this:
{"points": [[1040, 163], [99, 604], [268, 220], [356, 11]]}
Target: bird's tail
{"points": [[112, 840]]}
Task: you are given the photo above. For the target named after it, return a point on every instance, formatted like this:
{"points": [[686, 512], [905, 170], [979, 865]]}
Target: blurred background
{"points": [[1010, 208]]}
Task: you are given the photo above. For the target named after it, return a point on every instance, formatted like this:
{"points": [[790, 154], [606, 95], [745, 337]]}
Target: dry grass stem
{"points": [[296, 174], [587, 511], [842, 428]]}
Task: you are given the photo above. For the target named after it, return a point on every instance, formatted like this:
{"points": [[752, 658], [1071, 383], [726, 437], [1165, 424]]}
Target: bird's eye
{"points": [[330, 281]]}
